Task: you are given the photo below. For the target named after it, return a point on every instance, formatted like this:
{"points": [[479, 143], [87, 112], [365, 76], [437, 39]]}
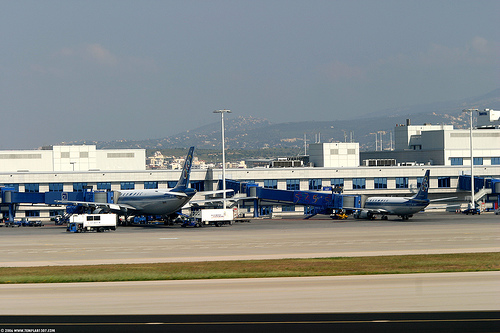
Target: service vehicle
{"points": [[217, 217], [91, 222], [25, 222], [472, 211]]}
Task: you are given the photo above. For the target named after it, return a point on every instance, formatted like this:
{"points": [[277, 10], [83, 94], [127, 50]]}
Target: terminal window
{"points": [[457, 161], [271, 183], [127, 185], [199, 185], [444, 181], [31, 188], [55, 187], [104, 186], [293, 184], [337, 182], [419, 181], [315, 184], [266, 210], [380, 182], [79, 187], [358, 183], [32, 213], [495, 161], [150, 185], [401, 182], [56, 212], [14, 186], [478, 161]]}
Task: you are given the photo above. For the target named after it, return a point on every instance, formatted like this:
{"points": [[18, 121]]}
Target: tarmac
{"points": [[426, 233]]}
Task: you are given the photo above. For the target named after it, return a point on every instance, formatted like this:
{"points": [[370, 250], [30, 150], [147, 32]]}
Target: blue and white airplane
{"points": [[156, 201], [165, 202], [402, 207]]}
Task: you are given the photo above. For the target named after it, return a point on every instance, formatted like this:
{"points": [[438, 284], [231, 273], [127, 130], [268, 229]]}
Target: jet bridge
{"points": [[322, 202], [10, 199], [485, 189]]}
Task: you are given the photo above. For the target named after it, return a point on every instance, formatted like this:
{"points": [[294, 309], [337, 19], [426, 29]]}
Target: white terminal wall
{"points": [[334, 155], [437, 145], [486, 144], [26, 160], [406, 137], [72, 158]]}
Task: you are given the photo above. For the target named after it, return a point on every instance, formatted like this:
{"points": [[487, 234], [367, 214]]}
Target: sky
{"points": [[122, 69]]}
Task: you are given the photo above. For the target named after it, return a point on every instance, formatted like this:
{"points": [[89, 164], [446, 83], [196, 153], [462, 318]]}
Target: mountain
{"points": [[255, 133], [490, 100]]}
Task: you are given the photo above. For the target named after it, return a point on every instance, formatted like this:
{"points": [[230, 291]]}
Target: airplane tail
{"points": [[424, 188], [186, 171]]}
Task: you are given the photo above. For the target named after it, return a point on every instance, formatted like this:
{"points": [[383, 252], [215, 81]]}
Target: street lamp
{"points": [[223, 157], [473, 205]]}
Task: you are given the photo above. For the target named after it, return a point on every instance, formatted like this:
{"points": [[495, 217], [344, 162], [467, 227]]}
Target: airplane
{"points": [[402, 207], [165, 202]]}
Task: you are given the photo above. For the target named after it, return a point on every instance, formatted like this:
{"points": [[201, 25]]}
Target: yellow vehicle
{"points": [[340, 215]]}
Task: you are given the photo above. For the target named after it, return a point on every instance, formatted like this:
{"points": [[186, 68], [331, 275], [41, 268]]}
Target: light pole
{"points": [[473, 205], [223, 157]]}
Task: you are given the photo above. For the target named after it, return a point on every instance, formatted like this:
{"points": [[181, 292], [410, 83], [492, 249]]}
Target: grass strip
{"points": [[432, 263]]}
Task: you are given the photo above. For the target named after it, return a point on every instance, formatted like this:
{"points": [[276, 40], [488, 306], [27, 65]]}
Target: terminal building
{"points": [[442, 145], [440, 148], [72, 158]]}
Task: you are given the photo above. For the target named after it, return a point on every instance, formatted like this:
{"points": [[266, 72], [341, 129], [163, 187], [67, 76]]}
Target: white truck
{"points": [[91, 222], [217, 217]]}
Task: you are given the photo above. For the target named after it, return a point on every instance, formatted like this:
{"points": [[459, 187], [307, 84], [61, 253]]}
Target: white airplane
{"points": [[163, 202], [402, 207]]}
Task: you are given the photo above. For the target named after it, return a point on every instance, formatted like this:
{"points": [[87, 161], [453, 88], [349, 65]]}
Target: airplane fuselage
{"points": [[154, 201], [166, 202], [395, 206], [403, 207]]}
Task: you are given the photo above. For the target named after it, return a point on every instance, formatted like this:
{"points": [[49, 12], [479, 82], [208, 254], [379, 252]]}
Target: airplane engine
{"points": [[361, 214], [100, 211]]}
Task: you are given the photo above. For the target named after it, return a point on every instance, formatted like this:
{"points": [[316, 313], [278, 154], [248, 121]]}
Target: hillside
{"points": [[251, 133]]}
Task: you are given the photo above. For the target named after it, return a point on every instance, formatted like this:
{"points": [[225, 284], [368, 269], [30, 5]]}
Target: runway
{"points": [[338, 294], [260, 239]]}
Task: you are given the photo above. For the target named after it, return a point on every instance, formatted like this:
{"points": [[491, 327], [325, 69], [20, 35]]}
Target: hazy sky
{"points": [[105, 70]]}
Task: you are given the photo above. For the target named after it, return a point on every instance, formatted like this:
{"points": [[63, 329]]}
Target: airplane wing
{"points": [[214, 200], [177, 194], [433, 200], [202, 202], [443, 207], [376, 211], [368, 210], [421, 201], [207, 200], [443, 199], [205, 193], [198, 203], [114, 207]]}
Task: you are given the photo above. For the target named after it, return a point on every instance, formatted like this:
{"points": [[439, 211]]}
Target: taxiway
{"points": [[426, 233]]}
